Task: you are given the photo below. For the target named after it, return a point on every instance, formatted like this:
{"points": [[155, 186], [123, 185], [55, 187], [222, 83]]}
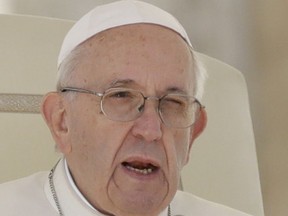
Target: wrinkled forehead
{"points": [[136, 52], [117, 14]]}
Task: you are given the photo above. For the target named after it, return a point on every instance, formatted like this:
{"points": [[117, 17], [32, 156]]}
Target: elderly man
{"points": [[125, 115]]}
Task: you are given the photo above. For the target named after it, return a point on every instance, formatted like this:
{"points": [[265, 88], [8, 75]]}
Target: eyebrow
{"points": [[176, 90], [119, 82]]}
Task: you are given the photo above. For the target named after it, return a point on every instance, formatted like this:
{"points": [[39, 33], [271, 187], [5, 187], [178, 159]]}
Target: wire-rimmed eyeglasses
{"points": [[123, 104]]}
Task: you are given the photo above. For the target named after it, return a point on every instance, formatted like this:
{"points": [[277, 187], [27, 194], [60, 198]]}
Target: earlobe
{"points": [[53, 112]]}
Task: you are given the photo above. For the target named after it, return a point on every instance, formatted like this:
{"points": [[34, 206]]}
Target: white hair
{"points": [[200, 75], [69, 64]]}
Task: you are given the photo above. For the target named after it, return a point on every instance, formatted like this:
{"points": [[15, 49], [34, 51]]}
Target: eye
{"points": [[122, 98], [121, 94], [175, 100]]}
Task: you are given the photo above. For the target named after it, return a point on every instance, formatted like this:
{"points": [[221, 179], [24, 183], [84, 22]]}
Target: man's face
{"points": [[109, 159]]}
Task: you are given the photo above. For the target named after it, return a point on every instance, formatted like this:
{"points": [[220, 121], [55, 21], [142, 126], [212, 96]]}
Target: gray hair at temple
{"points": [[113, 15]]}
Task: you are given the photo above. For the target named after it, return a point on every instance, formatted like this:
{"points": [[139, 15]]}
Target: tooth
{"points": [[144, 171]]}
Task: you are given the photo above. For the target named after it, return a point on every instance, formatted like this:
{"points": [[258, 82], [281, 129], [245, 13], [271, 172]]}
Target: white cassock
{"points": [[32, 196]]}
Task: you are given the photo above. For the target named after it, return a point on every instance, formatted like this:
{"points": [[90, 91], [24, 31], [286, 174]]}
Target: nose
{"points": [[148, 126]]}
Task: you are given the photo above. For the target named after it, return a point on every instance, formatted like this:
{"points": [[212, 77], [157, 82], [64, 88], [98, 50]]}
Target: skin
{"points": [[149, 58]]}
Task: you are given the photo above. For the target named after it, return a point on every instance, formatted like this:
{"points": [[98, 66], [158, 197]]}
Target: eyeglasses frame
{"points": [[101, 95]]}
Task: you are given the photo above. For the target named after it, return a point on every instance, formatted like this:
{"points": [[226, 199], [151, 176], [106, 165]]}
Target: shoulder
{"points": [[23, 185], [18, 197], [188, 204]]}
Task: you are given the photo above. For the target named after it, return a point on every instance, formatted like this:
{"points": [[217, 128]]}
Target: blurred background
{"points": [[252, 36]]}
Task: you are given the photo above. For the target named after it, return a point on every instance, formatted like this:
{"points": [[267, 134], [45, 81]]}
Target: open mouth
{"points": [[140, 168]]}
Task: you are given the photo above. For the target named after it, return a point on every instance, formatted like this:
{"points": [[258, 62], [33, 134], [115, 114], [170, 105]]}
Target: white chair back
{"points": [[223, 165]]}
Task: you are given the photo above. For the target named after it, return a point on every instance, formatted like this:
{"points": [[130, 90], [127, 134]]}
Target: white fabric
{"points": [[31, 196], [117, 14]]}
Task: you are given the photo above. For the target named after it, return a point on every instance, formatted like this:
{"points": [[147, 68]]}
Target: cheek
{"points": [[84, 133], [96, 139], [94, 151]]}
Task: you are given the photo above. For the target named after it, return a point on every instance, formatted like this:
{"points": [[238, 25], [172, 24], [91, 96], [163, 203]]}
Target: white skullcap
{"points": [[117, 14]]}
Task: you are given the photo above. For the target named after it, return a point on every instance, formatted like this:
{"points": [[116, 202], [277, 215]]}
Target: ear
{"points": [[197, 129], [54, 112], [199, 125]]}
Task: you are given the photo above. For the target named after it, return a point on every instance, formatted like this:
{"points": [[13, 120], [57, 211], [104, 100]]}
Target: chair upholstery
{"points": [[223, 164]]}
